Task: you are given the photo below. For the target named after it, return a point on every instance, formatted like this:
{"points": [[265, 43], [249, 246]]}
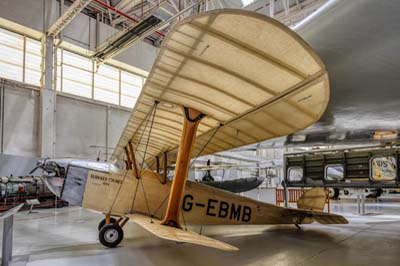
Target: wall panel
{"points": [[21, 120], [80, 128]]}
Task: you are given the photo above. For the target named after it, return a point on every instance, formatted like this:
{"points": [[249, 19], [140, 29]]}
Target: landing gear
{"points": [[111, 235], [103, 222], [334, 193]]}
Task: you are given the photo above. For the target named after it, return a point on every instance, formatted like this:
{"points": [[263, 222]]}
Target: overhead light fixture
{"points": [[120, 41]]}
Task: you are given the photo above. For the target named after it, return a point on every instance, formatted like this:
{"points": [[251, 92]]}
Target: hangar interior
{"points": [[73, 76]]}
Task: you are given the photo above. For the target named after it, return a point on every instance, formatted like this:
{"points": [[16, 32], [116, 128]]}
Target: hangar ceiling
{"points": [[125, 14]]}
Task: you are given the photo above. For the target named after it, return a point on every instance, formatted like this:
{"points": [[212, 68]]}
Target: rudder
{"points": [[313, 200]]}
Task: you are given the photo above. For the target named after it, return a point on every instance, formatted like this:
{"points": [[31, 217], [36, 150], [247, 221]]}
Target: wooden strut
{"points": [[108, 218], [191, 122], [164, 181], [158, 164], [128, 159], [123, 221], [133, 160], [163, 177]]}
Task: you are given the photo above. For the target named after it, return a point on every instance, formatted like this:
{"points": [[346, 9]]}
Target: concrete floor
{"points": [[69, 237]]}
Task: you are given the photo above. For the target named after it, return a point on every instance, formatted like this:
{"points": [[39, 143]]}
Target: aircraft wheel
{"points": [[111, 235], [103, 222], [334, 193]]}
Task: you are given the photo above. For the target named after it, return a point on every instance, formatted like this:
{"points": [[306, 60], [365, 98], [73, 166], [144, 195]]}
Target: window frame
{"points": [[60, 72], [326, 172], [293, 167]]}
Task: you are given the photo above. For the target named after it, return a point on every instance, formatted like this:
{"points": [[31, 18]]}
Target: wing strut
{"points": [[128, 159], [157, 164], [165, 173], [133, 160], [191, 121]]}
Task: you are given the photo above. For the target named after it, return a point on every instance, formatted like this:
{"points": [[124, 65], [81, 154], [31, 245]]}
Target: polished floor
{"points": [[68, 236]]}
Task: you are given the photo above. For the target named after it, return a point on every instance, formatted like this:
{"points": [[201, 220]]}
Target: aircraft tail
{"points": [[311, 206], [312, 200]]}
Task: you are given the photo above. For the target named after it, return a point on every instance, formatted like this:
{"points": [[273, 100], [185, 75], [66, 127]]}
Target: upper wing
{"points": [[254, 78]]}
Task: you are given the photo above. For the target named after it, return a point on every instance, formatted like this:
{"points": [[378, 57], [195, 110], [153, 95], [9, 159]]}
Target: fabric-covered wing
{"points": [[245, 71], [177, 234]]}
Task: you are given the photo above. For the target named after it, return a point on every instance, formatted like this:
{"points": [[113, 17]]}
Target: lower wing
{"points": [[176, 234]]}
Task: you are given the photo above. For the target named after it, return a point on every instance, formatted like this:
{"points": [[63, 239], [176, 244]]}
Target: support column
{"points": [[363, 203], [191, 122], [7, 240], [285, 196], [47, 105]]}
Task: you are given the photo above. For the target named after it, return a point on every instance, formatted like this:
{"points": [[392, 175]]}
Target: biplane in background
{"points": [[235, 185], [222, 79]]}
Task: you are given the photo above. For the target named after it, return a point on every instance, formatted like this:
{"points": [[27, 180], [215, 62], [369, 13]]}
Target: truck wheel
{"points": [[103, 222], [111, 235], [334, 193]]}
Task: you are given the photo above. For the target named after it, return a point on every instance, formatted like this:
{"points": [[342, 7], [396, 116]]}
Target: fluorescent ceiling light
{"points": [[247, 2]]}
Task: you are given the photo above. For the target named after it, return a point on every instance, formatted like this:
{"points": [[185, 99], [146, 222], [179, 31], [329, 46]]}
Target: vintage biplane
{"points": [[222, 79]]}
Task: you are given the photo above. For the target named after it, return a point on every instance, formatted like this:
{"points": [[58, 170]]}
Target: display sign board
{"points": [[384, 168]]}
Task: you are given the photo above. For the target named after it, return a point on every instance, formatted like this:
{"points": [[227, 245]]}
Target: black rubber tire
{"points": [[335, 194], [111, 235], [103, 222]]}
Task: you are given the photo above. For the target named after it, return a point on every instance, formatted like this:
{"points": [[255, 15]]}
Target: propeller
{"points": [[48, 167], [39, 164]]}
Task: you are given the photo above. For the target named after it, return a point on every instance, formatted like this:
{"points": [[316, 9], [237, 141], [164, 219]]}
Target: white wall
{"points": [[21, 120], [83, 128]]}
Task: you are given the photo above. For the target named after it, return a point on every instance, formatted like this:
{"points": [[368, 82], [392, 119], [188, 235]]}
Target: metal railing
{"points": [[293, 195]]}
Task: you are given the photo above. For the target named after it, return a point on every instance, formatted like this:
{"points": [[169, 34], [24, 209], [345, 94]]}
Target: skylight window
{"points": [[247, 2]]}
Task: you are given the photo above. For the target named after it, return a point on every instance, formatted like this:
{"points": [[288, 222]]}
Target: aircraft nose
{"points": [[54, 184]]}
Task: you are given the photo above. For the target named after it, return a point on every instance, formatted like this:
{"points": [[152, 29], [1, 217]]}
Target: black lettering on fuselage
{"points": [[220, 209], [223, 209], [210, 207], [235, 213], [246, 214], [186, 205]]}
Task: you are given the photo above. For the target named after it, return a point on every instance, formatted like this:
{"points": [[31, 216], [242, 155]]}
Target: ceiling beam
{"points": [[67, 17], [107, 50]]}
